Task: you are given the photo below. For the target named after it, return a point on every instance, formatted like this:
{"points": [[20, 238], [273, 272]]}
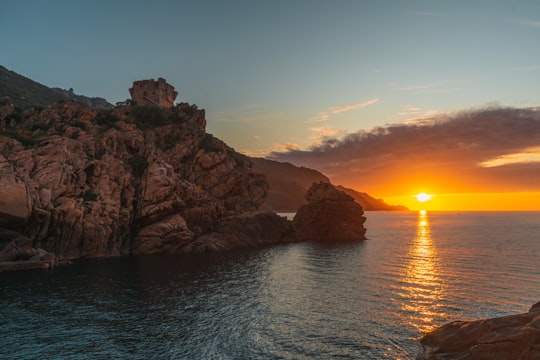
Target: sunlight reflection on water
{"points": [[423, 287]]}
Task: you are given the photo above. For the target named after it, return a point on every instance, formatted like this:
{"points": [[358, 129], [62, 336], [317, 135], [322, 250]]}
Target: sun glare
{"points": [[423, 197]]}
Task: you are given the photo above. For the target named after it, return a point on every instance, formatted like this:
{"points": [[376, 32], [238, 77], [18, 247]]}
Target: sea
{"points": [[372, 299]]}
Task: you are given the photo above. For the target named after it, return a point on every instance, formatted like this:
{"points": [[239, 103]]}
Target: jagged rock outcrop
{"points": [[84, 183], [329, 215], [502, 338]]}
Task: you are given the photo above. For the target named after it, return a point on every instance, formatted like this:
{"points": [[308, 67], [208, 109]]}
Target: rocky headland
{"points": [[502, 338], [78, 182], [133, 180]]}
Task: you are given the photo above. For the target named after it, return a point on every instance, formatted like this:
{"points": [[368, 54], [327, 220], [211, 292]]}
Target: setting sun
{"points": [[423, 197]]}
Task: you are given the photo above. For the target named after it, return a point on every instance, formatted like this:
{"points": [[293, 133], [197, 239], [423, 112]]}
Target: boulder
{"points": [[329, 215], [501, 338]]}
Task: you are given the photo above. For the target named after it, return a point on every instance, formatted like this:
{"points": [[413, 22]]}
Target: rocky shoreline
{"points": [[501, 338]]}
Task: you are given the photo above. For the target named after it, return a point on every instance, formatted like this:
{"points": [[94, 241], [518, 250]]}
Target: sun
{"points": [[423, 197]]}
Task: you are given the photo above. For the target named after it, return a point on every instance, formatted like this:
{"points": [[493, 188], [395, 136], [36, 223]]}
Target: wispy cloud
{"points": [[325, 115], [349, 107], [528, 155], [321, 132], [320, 117], [286, 147], [411, 114]]}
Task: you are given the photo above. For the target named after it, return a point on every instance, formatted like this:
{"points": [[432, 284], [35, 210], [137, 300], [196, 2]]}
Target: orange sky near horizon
{"points": [[497, 201]]}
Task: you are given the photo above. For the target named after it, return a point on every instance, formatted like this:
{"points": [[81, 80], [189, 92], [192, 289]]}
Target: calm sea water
{"points": [[368, 300]]}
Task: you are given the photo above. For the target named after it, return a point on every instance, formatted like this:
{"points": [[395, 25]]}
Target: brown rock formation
{"points": [[82, 183], [329, 215], [502, 338]]}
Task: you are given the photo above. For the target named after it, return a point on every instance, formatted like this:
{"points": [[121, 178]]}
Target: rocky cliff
{"points": [[132, 180]]}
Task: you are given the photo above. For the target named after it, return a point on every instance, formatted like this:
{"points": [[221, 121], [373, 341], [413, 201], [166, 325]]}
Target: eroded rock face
{"points": [[502, 338], [82, 183], [15, 200], [329, 215]]}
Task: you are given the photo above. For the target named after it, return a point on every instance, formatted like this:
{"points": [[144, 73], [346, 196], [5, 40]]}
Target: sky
{"points": [[310, 82]]}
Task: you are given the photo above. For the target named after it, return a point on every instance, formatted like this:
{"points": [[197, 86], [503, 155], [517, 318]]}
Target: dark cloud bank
{"points": [[446, 151]]}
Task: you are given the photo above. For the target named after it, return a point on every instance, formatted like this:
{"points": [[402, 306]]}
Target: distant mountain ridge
{"points": [[289, 183], [24, 92]]}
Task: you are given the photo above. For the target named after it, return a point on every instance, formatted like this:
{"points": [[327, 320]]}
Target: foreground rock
{"points": [[503, 338], [329, 215]]}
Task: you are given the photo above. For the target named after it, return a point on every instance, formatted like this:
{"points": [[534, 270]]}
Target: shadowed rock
{"points": [[502, 338], [329, 215], [248, 229]]}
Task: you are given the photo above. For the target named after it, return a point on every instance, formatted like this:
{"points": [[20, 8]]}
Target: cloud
{"points": [[446, 152], [320, 117], [349, 107], [321, 132], [286, 147], [416, 115], [529, 155], [325, 115]]}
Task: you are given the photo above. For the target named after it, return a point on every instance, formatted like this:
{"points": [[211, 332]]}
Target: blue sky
{"points": [[284, 74]]}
